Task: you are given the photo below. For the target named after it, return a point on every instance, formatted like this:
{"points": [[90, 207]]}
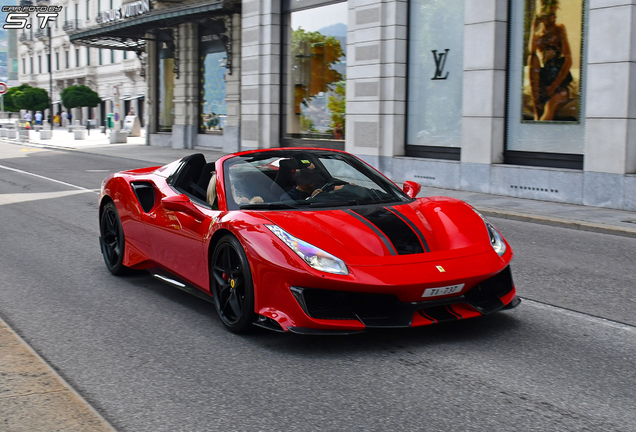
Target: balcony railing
{"points": [[40, 34], [71, 25], [26, 37]]}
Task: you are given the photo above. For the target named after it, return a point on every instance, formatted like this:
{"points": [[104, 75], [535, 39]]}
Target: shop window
{"points": [[435, 79], [165, 69], [314, 78], [545, 126], [212, 56]]}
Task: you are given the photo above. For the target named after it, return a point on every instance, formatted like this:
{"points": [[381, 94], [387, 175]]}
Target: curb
{"points": [[560, 222], [103, 424]]}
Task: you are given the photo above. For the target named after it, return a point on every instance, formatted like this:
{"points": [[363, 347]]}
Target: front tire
{"points": [[112, 239], [232, 286]]}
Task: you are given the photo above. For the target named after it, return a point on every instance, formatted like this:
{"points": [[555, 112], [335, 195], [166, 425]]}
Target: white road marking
{"points": [[48, 178], [35, 196], [581, 315]]}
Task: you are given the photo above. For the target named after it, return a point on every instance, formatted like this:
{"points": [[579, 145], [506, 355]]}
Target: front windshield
{"points": [[304, 179]]}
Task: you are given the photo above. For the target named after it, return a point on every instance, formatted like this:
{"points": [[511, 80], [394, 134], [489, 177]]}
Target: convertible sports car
{"points": [[309, 241]]}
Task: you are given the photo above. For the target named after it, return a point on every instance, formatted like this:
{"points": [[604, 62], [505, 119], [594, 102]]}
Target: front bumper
{"points": [[374, 310]]}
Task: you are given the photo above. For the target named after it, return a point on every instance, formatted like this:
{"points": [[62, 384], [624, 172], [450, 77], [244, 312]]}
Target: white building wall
{"points": [[99, 77]]}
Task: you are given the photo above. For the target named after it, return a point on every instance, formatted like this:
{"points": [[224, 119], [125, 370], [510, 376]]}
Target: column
{"points": [[484, 90], [186, 88], [260, 74], [233, 91], [376, 79], [610, 138]]}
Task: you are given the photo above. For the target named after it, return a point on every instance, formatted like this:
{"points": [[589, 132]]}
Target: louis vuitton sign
{"points": [[127, 10]]}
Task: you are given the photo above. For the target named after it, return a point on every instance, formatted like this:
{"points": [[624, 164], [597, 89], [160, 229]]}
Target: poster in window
{"points": [[553, 37]]}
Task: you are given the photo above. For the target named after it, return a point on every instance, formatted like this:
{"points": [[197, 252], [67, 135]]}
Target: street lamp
{"points": [[51, 115]]}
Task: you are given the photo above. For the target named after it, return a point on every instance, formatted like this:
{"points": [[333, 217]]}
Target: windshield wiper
{"points": [[269, 206], [333, 203]]}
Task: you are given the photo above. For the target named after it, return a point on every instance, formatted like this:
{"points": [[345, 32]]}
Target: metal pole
{"points": [[51, 115]]}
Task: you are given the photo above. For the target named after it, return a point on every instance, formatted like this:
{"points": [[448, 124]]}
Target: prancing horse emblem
{"points": [[441, 269]]}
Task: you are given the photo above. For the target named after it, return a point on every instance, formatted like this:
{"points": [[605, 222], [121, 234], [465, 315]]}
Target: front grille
{"points": [[385, 310], [342, 305], [485, 295]]}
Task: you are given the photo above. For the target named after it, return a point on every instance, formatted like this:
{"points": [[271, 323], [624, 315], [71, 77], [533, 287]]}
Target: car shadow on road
{"points": [[488, 328]]}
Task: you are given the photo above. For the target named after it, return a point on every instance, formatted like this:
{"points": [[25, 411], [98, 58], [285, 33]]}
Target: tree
{"points": [[78, 96], [314, 57], [30, 98], [9, 103], [337, 104]]}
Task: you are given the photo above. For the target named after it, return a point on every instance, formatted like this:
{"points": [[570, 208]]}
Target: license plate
{"points": [[434, 292]]}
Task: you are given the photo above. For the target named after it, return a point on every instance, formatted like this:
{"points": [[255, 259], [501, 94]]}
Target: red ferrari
{"points": [[309, 241]]}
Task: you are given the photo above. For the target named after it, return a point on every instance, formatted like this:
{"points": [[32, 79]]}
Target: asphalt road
{"points": [[151, 358]]}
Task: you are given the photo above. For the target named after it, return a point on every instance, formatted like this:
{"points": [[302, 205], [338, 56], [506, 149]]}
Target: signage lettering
{"points": [[126, 11], [440, 61]]}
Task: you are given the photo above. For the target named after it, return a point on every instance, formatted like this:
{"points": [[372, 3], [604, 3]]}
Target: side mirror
{"points": [[411, 188], [181, 203]]}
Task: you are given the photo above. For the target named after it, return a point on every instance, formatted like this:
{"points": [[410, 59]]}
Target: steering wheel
{"points": [[330, 184]]}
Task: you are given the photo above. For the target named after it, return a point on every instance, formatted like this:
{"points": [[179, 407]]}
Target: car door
{"points": [[178, 230]]}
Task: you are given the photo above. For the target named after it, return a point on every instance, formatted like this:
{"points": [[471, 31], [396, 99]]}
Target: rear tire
{"points": [[112, 239], [232, 286]]}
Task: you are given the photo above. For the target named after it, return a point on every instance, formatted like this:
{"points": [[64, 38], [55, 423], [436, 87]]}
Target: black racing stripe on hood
{"points": [[400, 234], [375, 229], [413, 227]]}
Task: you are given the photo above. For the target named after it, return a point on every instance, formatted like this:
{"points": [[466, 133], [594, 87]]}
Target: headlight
{"points": [[496, 240], [317, 258]]}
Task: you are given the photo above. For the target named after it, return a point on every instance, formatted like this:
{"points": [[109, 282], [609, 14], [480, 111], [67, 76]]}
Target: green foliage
{"points": [[306, 124], [337, 103], [313, 55], [78, 96], [30, 98], [9, 103]]}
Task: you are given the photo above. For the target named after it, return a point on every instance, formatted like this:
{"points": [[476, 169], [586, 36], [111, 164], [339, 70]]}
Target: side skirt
{"points": [[174, 281]]}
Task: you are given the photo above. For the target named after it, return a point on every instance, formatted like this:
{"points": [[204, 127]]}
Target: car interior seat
{"points": [[201, 186], [190, 174], [285, 175]]}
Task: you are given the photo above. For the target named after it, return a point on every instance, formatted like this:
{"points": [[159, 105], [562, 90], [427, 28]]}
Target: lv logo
{"points": [[440, 61]]}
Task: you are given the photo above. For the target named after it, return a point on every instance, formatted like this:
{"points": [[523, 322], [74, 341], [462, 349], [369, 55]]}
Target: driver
{"points": [[306, 180]]}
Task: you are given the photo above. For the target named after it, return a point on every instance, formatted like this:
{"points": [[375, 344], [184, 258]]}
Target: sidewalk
{"points": [[596, 219], [34, 398]]}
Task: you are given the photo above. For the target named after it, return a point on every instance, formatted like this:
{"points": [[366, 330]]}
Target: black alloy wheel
{"points": [[232, 286], [112, 239]]}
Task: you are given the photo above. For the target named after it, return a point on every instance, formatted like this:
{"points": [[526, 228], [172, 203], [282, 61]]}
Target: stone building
{"points": [[530, 98], [47, 59]]}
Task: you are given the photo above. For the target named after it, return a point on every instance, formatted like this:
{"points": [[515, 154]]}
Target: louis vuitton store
{"points": [[511, 98]]}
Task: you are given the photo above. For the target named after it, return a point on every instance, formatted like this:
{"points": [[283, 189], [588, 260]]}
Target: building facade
{"points": [[47, 59], [530, 98]]}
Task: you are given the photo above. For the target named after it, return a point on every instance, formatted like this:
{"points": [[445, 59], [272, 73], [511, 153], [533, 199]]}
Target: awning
{"points": [[130, 34]]}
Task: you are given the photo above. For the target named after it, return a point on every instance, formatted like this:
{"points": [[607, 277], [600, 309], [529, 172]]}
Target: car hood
{"points": [[426, 229]]}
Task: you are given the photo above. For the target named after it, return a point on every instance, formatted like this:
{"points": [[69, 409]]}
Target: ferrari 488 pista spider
{"points": [[310, 241]]}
